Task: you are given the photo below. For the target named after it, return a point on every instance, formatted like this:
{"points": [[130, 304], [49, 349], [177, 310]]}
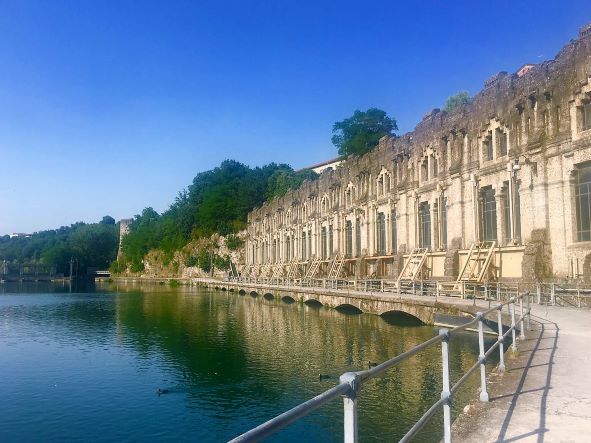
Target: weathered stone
{"points": [[526, 133]]}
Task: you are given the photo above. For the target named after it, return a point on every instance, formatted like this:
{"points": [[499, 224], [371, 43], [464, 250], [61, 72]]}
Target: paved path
{"points": [[545, 394]]}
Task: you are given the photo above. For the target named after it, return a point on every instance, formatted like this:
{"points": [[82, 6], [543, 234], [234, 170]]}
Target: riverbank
{"points": [[545, 393]]}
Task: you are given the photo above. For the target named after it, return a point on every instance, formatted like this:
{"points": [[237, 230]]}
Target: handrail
{"points": [[352, 382]]}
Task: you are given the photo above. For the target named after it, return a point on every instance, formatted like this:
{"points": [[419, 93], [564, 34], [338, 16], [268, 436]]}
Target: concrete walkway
{"points": [[545, 393]]}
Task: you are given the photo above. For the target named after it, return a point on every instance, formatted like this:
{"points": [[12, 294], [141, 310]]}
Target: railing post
{"points": [[486, 291], [528, 313], [539, 293], [483, 392], [382, 286], [521, 330], [446, 391], [512, 310], [553, 294], [501, 340], [350, 406]]}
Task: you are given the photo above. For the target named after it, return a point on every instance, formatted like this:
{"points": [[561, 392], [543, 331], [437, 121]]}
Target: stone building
{"points": [[123, 231], [508, 174]]}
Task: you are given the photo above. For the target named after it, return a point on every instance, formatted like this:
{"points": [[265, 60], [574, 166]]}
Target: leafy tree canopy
{"points": [[92, 245], [217, 201], [361, 132], [459, 99]]}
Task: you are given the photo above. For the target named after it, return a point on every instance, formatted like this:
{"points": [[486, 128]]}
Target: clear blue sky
{"points": [[109, 107]]}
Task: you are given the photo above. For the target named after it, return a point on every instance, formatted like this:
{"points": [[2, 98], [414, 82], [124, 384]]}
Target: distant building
{"points": [[123, 230], [19, 235], [329, 164]]}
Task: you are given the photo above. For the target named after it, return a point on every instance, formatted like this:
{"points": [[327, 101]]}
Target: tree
{"points": [[361, 132], [459, 99], [107, 220], [282, 180]]}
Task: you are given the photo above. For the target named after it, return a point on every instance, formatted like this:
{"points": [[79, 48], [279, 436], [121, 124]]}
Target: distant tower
{"points": [[123, 230]]}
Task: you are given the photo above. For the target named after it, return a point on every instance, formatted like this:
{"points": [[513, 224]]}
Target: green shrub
{"points": [[233, 242]]}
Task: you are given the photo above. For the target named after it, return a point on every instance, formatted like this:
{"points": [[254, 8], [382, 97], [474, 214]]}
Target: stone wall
{"points": [[510, 156]]}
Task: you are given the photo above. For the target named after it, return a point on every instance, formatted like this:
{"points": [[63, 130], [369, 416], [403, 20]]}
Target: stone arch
{"points": [[254, 293], [313, 303], [268, 296], [423, 313], [242, 292], [288, 299], [347, 308], [401, 318]]}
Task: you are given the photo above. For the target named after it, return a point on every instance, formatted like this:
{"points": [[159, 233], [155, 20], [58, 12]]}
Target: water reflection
{"points": [[227, 362]]}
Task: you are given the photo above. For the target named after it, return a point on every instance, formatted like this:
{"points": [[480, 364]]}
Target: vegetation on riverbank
{"points": [[89, 245], [217, 202]]}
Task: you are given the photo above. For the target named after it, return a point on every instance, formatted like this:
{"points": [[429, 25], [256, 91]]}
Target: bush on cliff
{"points": [[217, 201]]}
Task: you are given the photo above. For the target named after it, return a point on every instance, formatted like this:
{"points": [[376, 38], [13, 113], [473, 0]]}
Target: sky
{"points": [[107, 107]]}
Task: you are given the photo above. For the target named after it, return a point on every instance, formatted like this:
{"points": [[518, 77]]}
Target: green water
{"points": [[86, 366]]}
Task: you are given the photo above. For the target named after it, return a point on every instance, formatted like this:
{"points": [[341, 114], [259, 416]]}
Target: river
{"points": [[87, 365]]}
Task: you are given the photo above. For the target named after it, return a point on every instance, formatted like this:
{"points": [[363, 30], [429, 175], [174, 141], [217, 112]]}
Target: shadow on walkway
{"points": [[538, 360]]}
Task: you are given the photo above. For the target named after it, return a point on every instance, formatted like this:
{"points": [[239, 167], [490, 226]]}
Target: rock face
{"points": [[511, 166]]}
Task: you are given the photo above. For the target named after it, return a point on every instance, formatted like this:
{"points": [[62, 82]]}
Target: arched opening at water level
{"points": [[287, 299], [349, 309], [268, 296], [401, 318], [313, 303]]}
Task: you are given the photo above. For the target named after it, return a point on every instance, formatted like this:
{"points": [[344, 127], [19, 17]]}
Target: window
{"points": [[349, 238], [309, 243], [380, 185], [435, 166], [517, 210], [507, 209], [587, 116], [358, 237], [323, 242], [381, 233], [488, 147], [330, 243], [489, 214], [394, 225], [583, 202], [424, 225], [557, 119], [274, 256], [304, 252], [444, 222], [516, 213], [288, 249], [545, 121], [502, 138], [425, 171]]}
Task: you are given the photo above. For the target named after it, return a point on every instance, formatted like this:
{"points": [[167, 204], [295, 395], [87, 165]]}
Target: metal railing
{"points": [[351, 383], [494, 291], [563, 294]]}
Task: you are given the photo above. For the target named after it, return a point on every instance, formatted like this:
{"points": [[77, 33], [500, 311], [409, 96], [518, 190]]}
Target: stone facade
{"points": [[510, 167]]}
